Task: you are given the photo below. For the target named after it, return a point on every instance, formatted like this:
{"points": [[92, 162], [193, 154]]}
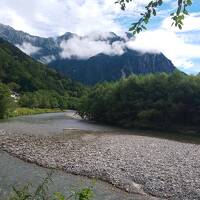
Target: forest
{"points": [[145, 101]]}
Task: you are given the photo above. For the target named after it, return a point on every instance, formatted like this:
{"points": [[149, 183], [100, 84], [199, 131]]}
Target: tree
{"points": [[6, 102], [145, 101], [151, 10]]}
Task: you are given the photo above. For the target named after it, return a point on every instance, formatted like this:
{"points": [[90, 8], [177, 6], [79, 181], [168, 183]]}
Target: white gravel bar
{"points": [[137, 164]]}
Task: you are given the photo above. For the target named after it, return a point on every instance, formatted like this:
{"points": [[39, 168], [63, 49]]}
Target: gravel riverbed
{"points": [[137, 164]]}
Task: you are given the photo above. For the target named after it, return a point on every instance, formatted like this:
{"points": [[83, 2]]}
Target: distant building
{"points": [[15, 96]]}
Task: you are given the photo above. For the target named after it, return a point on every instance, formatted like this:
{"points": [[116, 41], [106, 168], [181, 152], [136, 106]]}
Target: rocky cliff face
{"points": [[107, 68], [90, 59]]}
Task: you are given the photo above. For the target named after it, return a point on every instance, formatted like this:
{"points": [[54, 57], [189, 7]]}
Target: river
{"points": [[17, 172]]}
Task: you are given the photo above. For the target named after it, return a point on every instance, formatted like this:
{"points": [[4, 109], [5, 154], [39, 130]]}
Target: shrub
{"points": [[42, 192]]}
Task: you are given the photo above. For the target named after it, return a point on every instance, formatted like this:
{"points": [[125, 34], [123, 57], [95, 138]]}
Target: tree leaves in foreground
{"points": [[151, 10], [145, 101]]}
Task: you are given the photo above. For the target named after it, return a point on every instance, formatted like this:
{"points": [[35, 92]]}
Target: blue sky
{"points": [[54, 17]]}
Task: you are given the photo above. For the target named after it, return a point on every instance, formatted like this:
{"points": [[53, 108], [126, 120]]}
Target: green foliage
{"points": [[84, 194], [44, 99], [42, 192], [48, 99], [59, 196], [25, 74], [6, 102], [151, 10], [155, 100], [22, 194], [39, 86]]}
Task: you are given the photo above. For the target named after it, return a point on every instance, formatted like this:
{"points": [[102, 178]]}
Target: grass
{"points": [[42, 192], [31, 111]]}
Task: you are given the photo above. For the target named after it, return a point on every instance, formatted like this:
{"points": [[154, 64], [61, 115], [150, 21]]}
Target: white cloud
{"points": [[55, 17], [28, 48], [87, 47], [9, 16], [180, 46], [99, 35], [47, 59], [191, 23], [169, 43]]}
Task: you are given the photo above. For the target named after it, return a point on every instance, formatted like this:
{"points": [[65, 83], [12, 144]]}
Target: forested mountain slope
{"points": [[25, 74]]}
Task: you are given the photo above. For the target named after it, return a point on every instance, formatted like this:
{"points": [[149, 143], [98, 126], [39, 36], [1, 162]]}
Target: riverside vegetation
{"points": [[9, 108], [42, 192], [154, 101]]}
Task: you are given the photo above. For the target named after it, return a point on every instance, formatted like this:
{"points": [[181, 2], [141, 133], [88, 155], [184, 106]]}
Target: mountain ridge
{"points": [[117, 67], [89, 59]]}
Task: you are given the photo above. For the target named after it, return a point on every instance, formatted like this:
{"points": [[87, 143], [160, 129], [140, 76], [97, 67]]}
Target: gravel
{"points": [[137, 164]]}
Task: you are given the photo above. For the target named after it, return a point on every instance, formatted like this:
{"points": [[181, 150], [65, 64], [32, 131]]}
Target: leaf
{"points": [[59, 196], [154, 12], [180, 27]]}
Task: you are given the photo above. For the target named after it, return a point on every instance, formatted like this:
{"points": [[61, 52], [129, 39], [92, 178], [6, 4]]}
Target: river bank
{"points": [[15, 172], [137, 164]]}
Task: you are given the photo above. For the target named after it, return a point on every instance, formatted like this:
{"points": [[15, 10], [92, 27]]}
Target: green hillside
{"points": [[26, 74], [37, 85]]}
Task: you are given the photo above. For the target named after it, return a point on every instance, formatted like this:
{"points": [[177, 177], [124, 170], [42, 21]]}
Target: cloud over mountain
{"points": [[90, 59], [49, 18], [28, 48], [86, 47]]}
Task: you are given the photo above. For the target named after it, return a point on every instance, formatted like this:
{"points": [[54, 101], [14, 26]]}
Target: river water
{"points": [[17, 172]]}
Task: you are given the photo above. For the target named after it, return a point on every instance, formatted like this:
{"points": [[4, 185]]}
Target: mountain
{"points": [[94, 58], [24, 74], [104, 67]]}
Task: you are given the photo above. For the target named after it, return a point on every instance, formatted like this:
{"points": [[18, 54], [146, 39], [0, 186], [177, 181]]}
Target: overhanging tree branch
{"points": [[151, 10]]}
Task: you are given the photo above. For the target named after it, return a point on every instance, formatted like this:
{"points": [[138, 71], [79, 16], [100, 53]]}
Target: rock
{"points": [[137, 164]]}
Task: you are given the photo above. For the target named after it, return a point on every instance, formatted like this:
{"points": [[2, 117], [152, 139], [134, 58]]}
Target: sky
{"points": [[49, 18]]}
